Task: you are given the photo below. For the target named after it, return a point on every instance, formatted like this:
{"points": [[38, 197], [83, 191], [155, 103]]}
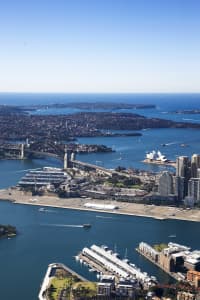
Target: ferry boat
{"points": [[87, 225]]}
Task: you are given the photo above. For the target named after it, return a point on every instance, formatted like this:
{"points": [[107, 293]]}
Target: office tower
{"points": [[194, 189], [180, 187], [198, 173], [165, 186], [183, 166], [195, 164], [183, 170]]}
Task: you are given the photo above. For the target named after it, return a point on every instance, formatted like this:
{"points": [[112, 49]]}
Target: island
{"points": [[7, 231]]}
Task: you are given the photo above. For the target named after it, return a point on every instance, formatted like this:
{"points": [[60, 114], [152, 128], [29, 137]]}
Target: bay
{"points": [[40, 241]]}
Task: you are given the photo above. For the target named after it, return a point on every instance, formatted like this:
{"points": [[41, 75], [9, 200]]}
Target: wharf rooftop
{"points": [[103, 260], [44, 177]]}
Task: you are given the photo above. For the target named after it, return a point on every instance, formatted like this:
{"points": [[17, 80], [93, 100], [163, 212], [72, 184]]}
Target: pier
{"points": [[104, 261]]}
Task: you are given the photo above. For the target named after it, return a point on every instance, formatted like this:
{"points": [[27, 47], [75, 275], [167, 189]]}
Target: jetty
{"points": [[104, 261]]}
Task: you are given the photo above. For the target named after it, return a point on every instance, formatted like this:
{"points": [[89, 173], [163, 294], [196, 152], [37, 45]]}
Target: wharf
{"points": [[93, 265], [172, 274]]}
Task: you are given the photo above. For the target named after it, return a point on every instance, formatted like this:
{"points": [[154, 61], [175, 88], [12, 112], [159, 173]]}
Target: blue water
{"points": [[130, 151], [24, 259], [165, 103]]}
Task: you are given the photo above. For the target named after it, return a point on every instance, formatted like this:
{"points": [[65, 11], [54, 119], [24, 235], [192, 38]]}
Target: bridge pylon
{"points": [[22, 151]]}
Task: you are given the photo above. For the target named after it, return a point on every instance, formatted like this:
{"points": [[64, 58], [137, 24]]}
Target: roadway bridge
{"points": [[21, 151], [90, 167]]}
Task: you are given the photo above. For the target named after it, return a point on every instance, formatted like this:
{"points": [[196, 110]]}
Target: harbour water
{"points": [[40, 241]]}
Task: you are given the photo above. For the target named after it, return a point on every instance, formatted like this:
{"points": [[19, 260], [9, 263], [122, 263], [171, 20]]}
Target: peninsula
{"points": [[19, 126]]}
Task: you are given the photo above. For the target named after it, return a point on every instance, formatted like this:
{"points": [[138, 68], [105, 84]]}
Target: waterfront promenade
{"points": [[134, 209]]}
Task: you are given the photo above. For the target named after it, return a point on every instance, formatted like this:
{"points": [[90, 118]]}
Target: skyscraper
{"points": [[183, 174], [195, 164], [194, 189], [183, 167], [165, 187], [180, 186]]}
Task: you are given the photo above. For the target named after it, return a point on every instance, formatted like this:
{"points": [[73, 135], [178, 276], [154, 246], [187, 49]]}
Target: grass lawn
{"points": [[59, 284], [87, 289]]}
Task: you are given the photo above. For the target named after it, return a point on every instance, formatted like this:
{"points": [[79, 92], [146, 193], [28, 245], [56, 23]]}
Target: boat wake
{"points": [[172, 235], [63, 225], [102, 217], [171, 143], [47, 210]]}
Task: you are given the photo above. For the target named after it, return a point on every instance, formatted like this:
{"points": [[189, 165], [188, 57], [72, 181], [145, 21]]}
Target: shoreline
{"points": [[124, 208]]}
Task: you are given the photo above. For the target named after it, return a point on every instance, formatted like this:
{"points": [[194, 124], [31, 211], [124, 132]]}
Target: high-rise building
{"points": [[183, 170], [165, 186], [183, 166], [195, 164], [180, 189], [194, 189], [198, 173]]}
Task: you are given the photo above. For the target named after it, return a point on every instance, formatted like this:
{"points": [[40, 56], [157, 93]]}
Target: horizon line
{"points": [[99, 93]]}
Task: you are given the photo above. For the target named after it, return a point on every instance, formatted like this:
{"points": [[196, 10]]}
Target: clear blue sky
{"points": [[100, 45]]}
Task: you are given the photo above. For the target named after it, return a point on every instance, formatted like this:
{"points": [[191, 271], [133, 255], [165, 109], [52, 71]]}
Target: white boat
{"points": [[42, 209], [92, 270], [77, 258]]}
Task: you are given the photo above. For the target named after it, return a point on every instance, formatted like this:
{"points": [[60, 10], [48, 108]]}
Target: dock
{"points": [[171, 274], [106, 262]]}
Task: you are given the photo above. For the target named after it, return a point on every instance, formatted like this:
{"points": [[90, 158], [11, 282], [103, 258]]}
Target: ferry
{"points": [[87, 226]]}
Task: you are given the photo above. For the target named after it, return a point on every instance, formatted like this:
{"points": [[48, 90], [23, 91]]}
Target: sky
{"points": [[100, 46]]}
